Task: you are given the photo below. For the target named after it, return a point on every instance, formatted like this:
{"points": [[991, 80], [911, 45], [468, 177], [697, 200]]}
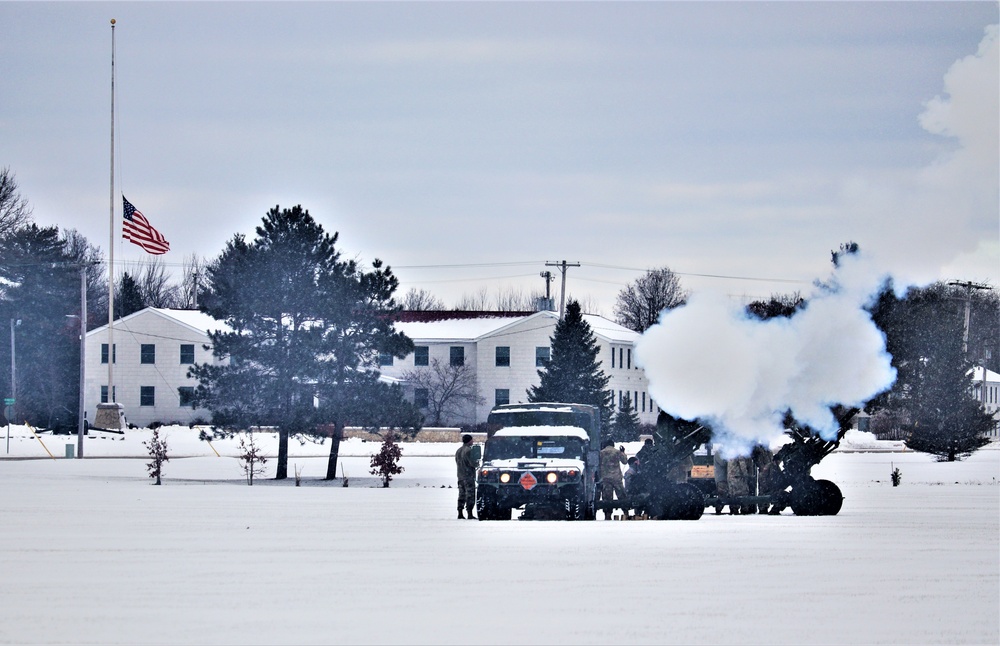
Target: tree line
{"points": [[307, 327]]}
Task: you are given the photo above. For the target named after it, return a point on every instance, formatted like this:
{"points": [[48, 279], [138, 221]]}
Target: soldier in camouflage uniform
{"points": [[612, 483], [738, 473], [721, 480], [467, 466]]}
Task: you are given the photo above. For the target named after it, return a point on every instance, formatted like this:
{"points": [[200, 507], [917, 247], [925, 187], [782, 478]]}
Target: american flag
{"points": [[137, 229]]}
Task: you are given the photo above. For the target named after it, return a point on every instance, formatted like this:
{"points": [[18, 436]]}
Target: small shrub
{"points": [[896, 476], [252, 458], [157, 448], [385, 463]]}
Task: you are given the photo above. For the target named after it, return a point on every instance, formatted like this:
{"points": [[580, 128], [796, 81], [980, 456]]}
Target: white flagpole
{"points": [[111, 245]]}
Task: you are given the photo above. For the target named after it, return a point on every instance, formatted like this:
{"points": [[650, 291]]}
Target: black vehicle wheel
{"points": [[575, 508], [486, 506], [679, 502], [688, 502], [816, 498]]}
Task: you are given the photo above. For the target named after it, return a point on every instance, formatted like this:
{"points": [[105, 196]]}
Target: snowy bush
{"points": [[158, 452], [385, 463], [252, 458]]}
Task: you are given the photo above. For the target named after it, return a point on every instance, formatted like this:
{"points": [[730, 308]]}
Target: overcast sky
{"points": [[727, 139]]}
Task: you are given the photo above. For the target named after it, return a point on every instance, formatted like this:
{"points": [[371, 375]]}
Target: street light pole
{"points": [[81, 415], [13, 365]]}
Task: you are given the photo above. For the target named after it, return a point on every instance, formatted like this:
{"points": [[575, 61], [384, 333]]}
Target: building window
{"points": [[612, 357], [502, 396], [644, 402], [457, 355], [630, 358], [147, 353], [384, 359], [104, 393], [503, 355], [147, 395], [104, 353], [420, 397], [421, 357], [187, 396], [620, 364], [541, 356], [187, 353]]}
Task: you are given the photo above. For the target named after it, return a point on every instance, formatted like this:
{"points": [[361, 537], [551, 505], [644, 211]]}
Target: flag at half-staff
{"points": [[137, 229]]}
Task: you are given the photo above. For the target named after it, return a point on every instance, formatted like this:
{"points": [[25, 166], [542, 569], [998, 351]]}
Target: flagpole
{"points": [[111, 244]]}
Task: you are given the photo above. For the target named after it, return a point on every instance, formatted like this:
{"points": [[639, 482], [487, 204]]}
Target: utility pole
{"points": [[562, 265], [969, 286], [547, 275]]}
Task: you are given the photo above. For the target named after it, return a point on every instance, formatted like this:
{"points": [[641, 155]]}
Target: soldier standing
{"points": [[612, 483], [721, 469], [738, 471], [467, 465]]}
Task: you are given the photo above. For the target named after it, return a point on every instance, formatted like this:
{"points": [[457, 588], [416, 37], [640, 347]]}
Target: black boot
{"points": [[460, 513], [469, 514]]}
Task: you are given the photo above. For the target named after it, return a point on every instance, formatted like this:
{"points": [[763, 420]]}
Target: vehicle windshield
{"points": [[512, 448]]}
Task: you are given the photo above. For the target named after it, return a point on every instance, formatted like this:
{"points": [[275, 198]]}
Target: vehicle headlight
{"points": [[505, 477], [552, 477]]}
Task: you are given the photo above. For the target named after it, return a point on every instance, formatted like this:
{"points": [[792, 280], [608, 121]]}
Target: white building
{"points": [[153, 350], [506, 352], [988, 392]]}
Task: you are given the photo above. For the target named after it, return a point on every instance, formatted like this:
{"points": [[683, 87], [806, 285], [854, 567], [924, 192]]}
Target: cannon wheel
{"points": [[679, 502], [817, 498], [688, 502]]}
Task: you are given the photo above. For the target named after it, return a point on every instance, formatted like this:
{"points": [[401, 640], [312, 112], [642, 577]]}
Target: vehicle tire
{"points": [[576, 508], [688, 502], [680, 502], [816, 498], [486, 507]]}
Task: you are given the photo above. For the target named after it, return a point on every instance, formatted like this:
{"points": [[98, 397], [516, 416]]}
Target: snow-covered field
{"points": [[91, 552]]}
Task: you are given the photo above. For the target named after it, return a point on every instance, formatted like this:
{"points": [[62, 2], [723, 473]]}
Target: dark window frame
{"points": [[502, 356]]}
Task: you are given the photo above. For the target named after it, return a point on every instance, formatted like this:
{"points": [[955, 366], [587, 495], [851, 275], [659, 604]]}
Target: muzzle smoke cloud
{"points": [[709, 360]]}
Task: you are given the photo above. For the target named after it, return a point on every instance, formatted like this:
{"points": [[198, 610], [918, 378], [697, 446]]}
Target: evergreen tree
{"points": [[933, 396], [40, 288], [626, 425], [304, 324], [128, 297], [573, 374]]}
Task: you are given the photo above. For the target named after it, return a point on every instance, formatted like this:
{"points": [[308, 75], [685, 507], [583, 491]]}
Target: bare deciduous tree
{"points": [[421, 300], [154, 284], [640, 303], [15, 212], [478, 301], [451, 390], [192, 279]]}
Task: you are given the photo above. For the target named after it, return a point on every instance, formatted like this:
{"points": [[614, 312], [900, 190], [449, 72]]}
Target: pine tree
{"points": [[932, 396], [39, 286], [304, 324], [626, 425], [573, 374], [128, 297]]}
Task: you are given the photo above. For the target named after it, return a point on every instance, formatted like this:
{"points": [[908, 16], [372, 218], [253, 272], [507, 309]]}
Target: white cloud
{"points": [[920, 225]]}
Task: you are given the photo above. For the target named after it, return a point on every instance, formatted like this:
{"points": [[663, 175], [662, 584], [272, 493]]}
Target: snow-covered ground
{"points": [[91, 552]]}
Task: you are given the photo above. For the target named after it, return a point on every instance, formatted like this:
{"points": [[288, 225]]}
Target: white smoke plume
{"points": [[709, 360]]}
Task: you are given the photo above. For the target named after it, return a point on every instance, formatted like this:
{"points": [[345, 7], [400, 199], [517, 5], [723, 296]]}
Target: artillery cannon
{"points": [[664, 489]]}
